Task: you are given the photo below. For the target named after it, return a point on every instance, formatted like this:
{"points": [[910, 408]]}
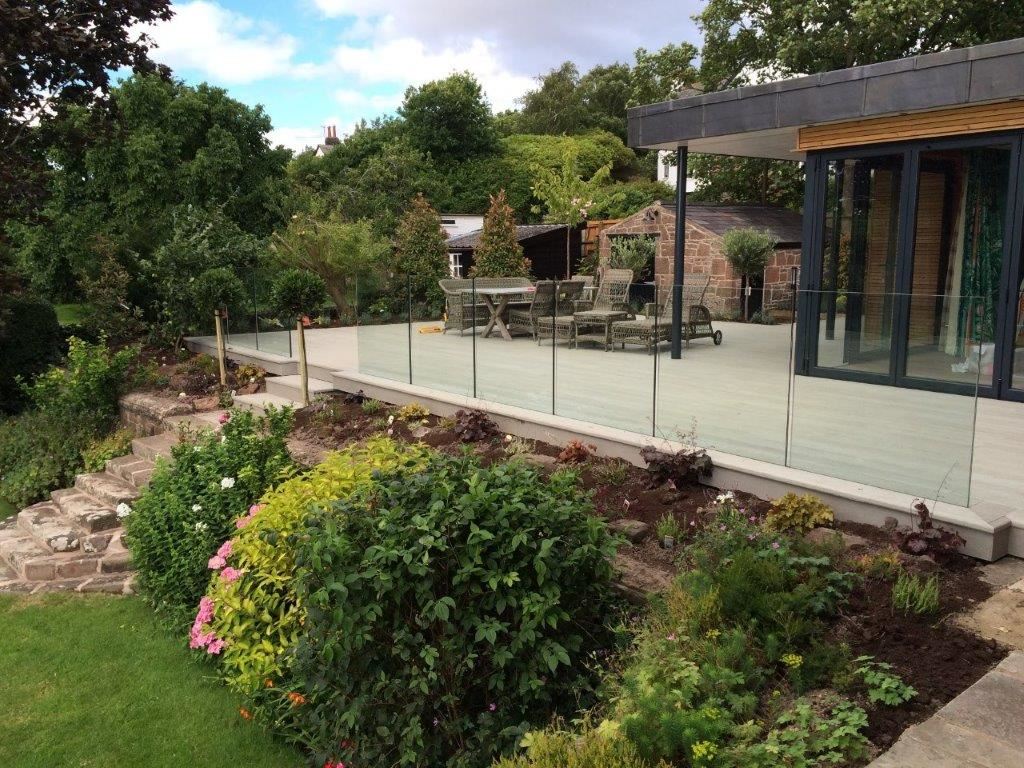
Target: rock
{"points": [[420, 432], [890, 524], [637, 580], [540, 461], [96, 543], [634, 530], [850, 541]]}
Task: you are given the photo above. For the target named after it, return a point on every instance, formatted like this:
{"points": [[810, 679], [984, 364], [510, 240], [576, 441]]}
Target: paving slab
{"points": [[1004, 572]]}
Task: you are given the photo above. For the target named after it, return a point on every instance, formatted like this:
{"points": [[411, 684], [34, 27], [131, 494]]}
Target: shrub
{"points": [[259, 615], [216, 289], [412, 412], [296, 292], [880, 565], [798, 513], [668, 527], [576, 452], [190, 505], [41, 450], [912, 593], [448, 609], [687, 465], [96, 455], [499, 253], [552, 748], [473, 426], [926, 538], [31, 340]]}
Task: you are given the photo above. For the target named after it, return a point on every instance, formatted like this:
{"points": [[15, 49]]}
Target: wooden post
{"points": [[303, 370], [218, 321]]}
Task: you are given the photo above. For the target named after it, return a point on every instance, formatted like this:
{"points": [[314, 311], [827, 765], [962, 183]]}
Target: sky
{"points": [[313, 63]]}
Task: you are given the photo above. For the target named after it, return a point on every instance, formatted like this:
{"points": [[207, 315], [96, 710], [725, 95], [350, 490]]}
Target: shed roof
{"points": [[471, 240], [763, 120], [783, 224]]}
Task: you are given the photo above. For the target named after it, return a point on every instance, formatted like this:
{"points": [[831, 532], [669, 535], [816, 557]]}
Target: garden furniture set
{"points": [[574, 310]]}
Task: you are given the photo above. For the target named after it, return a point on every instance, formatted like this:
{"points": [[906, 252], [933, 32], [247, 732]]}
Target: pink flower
{"points": [[230, 574], [752, 519], [492, 707], [334, 764], [224, 418], [255, 508], [721, 527], [242, 522], [199, 639], [225, 549], [671, 638], [775, 545], [205, 614], [216, 563], [215, 647]]}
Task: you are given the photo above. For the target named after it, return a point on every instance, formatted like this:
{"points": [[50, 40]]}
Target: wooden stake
{"points": [[221, 349], [303, 371]]}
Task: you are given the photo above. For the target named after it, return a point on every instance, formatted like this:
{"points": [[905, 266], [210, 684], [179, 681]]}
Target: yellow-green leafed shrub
{"points": [[590, 749], [257, 614], [798, 513]]}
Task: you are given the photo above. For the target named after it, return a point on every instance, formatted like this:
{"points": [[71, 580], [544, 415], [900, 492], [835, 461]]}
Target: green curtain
{"points": [[987, 177]]}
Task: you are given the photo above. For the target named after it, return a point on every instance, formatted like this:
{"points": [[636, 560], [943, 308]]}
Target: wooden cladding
{"points": [[980, 118]]}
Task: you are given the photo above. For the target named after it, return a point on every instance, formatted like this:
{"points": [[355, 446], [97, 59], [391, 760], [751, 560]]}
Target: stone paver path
{"points": [[983, 727]]}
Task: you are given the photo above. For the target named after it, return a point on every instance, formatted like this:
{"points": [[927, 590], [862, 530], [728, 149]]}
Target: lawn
{"points": [[7, 509], [95, 681]]}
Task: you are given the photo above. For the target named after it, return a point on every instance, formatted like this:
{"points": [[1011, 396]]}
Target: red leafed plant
{"points": [[576, 452], [926, 538]]}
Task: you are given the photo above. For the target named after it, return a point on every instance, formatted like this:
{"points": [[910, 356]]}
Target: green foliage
{"points": [[499, 253], [566, 103], [109, 309], [260, 615], [915, 594], [74, 405], [553, 748], [726, 179], [447, 609], [748, 250], [449, 119], [31, 340], [191, 504], [340, 252], [371, 406], [668, 527], [882, 685], [798, 513], [880, 565], [636, 253], [421, 251], [117, 443], [617, 201], [296, 292], [412, 412], [662, 74], [217, 289]]}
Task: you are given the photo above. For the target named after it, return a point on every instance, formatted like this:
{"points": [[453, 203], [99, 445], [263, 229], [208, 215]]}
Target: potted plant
{"points": [[667, 531]]}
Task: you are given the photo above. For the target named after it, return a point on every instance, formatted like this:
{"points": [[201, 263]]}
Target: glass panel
{"points": [[958, 254], [382, 333], [859, 265], [901, 439], [733, 396], [1017, 372], [442, 357], [513, 364]]}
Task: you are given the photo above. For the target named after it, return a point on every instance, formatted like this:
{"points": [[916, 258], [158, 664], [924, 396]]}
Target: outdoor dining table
{"points": [[497, 301], [600, 319]]}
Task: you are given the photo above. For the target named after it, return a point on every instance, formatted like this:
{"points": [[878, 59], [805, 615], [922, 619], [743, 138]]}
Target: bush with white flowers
{"points": [[190, 505]]}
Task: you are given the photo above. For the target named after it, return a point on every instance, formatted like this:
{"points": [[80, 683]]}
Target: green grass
{"points": [[94, 681], [70, 314], [7, 509]]}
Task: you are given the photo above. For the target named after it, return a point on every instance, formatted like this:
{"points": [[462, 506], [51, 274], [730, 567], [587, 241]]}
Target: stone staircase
{"points": [[73, 542]]}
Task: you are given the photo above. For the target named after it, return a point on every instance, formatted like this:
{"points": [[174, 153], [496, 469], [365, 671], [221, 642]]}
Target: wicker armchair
{"points": [[612, 292], [464, 309], [543, 305], [558, 324]]}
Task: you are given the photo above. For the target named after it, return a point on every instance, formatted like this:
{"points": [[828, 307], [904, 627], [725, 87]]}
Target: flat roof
{"points": [[763, 120]]}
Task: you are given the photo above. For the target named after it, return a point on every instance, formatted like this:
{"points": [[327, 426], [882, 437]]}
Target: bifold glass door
{"points": [[909, 265]]}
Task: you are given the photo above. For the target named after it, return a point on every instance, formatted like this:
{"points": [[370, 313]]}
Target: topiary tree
{"points": [[448, 606], [499, 253], [421, 251], [297, 293], [748, 251]]}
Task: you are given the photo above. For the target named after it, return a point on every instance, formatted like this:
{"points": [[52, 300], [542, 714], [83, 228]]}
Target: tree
{"points": [[55, 55], [566, 103], [421, 251], [663, 74], [724, 179], [748, 251], [499, 253], [340, 252], [566, 197], [449, 119], [745, 38]]}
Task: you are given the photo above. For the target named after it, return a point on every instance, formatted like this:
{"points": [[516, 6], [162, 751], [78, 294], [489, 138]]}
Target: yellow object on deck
{"points": [[431, 329]]}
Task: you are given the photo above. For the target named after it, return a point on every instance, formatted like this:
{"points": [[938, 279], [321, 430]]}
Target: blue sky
{"points": [[313, 63]]}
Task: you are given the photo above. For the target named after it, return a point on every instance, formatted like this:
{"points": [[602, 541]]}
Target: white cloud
{"points": [[353, 99], [226, 47]]}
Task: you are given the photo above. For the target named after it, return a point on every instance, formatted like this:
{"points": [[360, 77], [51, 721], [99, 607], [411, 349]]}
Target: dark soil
{"points": [[930, 653]]}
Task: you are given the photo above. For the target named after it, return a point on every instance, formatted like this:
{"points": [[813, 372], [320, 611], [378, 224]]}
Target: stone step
{"points": [[45, 523], [84, 512], [196, 421], [290, 387], [107, 488], [155, 447], [18, 551], [132, 469], [261, 400]]}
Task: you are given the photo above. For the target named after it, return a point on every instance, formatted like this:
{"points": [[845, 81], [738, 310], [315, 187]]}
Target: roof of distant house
{"points": [[471, 240], [785, 226]]}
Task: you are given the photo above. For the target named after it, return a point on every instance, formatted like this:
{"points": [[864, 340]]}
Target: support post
{"points": [[218, 323], [303, 370], [679, 263]]}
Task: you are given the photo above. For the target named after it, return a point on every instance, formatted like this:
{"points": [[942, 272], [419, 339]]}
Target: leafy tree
{"points": [[617, 201], [792, 37], [449, 119], [422, 251], [566, 103], [499, 253], [663, 74], [56, 55], [296, 292], [340, 252], [748, 251], [566, 197], [724, 179]]}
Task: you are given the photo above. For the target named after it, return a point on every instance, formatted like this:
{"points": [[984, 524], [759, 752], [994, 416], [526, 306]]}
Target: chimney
{"points": [[332, 136]]}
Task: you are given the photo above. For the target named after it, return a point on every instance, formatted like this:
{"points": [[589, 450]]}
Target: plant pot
{"points": [[668, 542]]}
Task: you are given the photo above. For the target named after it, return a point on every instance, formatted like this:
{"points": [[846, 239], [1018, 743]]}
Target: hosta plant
{"points": [[798, 513]]}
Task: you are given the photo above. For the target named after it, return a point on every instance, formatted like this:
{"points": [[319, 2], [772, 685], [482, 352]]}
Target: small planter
{"points": [[668, 542]]}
